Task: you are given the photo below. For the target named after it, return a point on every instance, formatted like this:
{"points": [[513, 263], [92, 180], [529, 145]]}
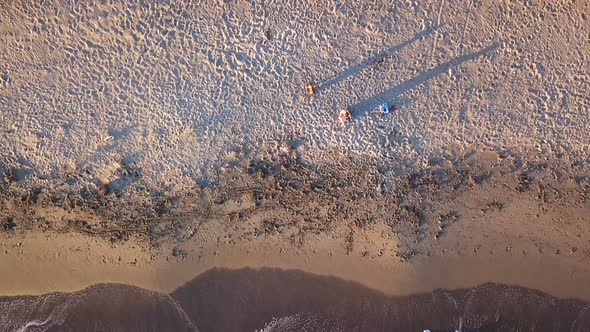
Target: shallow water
{"points": [[290, 300]]}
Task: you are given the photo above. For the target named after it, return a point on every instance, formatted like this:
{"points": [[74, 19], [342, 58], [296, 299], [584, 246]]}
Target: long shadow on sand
{"points": [[326, 84], [391, 93]]}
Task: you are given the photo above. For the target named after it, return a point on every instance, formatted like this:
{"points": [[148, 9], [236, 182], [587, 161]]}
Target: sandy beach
{"points": [[151, 144]]}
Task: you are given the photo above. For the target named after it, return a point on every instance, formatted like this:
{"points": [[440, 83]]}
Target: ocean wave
{"points": [[102, 307], [272, 300]]}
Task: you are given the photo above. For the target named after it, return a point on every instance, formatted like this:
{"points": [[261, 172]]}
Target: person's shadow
{"points": [[327, 83], [390, 94]]}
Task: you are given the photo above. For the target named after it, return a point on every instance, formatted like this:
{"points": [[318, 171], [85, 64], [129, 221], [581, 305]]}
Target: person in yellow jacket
{"points": [[311, 88]]}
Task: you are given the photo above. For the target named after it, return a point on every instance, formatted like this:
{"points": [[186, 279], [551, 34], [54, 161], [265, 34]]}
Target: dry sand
{"points": [[147, 143]]}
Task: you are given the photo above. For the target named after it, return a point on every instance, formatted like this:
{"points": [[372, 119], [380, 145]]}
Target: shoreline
{"points": [[74, 266], [483, 218]]}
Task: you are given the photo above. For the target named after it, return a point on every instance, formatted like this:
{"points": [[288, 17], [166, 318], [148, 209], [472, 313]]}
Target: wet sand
{"points": [[79, 261]]}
